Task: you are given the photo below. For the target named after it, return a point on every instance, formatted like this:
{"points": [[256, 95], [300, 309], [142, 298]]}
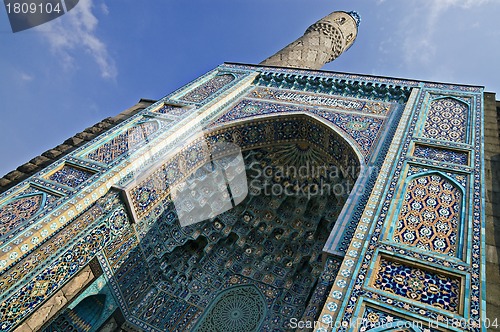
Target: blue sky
{"points": [[103, 56]]}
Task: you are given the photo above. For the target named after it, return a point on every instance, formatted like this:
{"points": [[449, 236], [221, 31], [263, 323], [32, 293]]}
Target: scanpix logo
{"points": [[218, 184], [26, 14]]}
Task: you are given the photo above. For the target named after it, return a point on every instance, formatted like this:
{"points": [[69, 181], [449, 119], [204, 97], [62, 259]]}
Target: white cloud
{"points": [[26, 77], [104, 9], [422, 26], [76, 32]]}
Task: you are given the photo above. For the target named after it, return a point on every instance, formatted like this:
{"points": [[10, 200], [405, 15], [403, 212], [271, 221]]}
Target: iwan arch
{"points": [[93, 241]]}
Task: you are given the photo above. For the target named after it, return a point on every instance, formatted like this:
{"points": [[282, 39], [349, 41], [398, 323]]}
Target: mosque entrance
{"points": [[259, 264]]}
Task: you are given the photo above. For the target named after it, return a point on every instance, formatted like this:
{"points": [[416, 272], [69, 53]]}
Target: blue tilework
{"points": [[362, 130], [124, 142], [447, 120], [440, 154], [70, 176], [417, 284], [208, 88]]}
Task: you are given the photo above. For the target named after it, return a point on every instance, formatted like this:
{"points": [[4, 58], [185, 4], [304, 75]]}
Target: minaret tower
{"points": [[322, 42]]}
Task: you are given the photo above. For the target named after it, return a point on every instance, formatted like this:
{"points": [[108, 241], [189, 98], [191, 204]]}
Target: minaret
{"points": [[322, 42]]}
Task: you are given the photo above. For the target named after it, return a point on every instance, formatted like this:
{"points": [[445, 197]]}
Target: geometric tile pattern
{"points": [[206, 89], [122, 240], [440, 154], [240, 308], [430, 215], [172, 110], [447, 120], [14, 213], [417, 284], [70, 176], [377, 219], [131, 138], [29, 264]]}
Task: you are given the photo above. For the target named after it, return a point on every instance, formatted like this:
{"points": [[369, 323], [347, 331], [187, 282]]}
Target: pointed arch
{"points": [[315, 119]]}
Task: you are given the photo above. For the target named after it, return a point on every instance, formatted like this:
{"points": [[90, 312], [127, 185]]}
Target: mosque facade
{"points": [[268, 197]]}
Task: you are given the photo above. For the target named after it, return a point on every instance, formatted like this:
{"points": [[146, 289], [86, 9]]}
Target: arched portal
{"points": [[299, 173]]}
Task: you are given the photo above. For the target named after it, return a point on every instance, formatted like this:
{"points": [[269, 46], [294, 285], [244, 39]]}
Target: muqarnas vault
{"points": [[93, 241]]}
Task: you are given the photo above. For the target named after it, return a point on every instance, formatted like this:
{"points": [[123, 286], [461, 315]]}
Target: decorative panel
{"points": [[19, 210], [206, 89], [131, 138], [429, 218], [324, 100], [417, 284], [447, 120], [172, 110], [70, 176], [29, 264], [440, 154], [27, 299], [241, 308]]}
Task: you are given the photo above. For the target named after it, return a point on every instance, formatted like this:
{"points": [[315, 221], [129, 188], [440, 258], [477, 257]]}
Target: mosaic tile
{"points": [[447, 120], [417, 284], [374, 319], [429, 218], [23, 210], [124, 142], [284, 297], [208, 88], [440, 154], [362, 130], [241, 308], [172, 110], [258, 133], [28, 298], [70, 176]]}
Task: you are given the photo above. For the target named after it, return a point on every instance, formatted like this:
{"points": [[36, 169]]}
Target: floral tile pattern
{"points": [[430, 215], [445, 120], [438, 290]]}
